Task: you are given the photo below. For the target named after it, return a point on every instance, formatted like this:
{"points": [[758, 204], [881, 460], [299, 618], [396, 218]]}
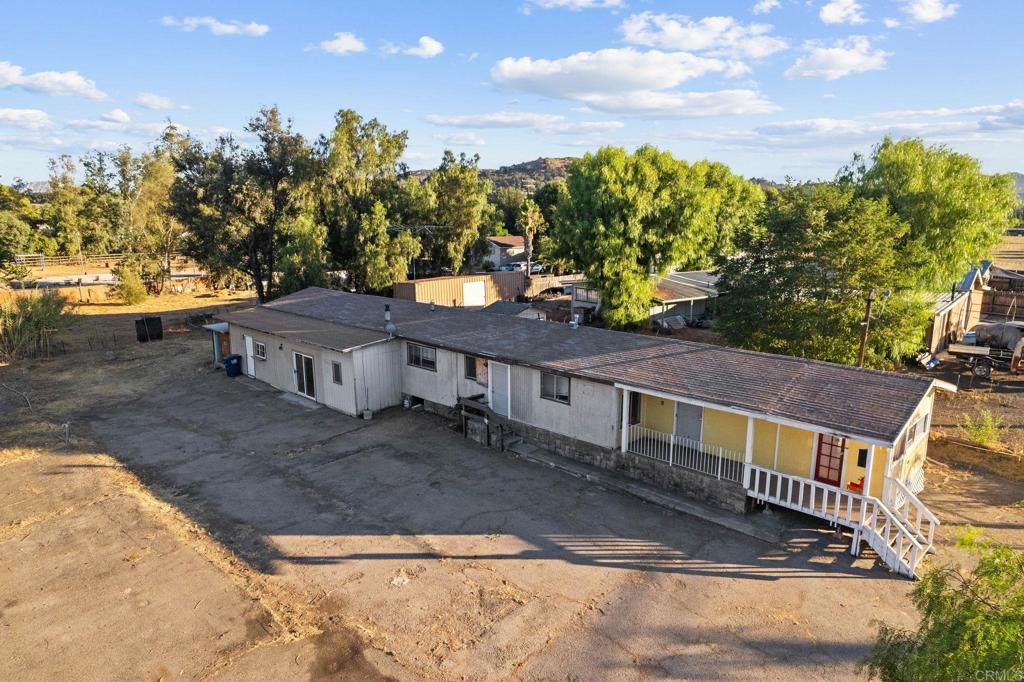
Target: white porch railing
{"points": [[687, 453], [910, 510], [896, 543]]}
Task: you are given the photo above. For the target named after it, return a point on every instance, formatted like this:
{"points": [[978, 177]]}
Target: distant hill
{"points": [[528, 175]]}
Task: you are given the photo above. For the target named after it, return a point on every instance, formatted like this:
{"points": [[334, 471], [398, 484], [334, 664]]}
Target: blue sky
{"points": [[773, 88]]}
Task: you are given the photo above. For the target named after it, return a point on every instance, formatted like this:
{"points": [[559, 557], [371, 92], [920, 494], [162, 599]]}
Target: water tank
{"points": [[233, 365]]}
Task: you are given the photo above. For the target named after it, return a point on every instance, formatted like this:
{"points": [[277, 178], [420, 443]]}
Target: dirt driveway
{"points": [[270, 540]]}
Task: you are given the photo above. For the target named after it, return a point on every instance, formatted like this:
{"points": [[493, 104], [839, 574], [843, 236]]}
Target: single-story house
{"points": [[506, 249], [687, 294], [734, 427]]}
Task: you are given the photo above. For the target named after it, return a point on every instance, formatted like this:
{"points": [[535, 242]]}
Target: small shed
{"points": [[219, 335]]}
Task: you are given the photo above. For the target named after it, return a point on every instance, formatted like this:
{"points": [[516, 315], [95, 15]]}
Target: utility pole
{"points": [[866, 324]]}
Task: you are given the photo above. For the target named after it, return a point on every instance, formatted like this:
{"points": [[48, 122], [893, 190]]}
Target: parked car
{"points": [[537, 268], [514, 267]]}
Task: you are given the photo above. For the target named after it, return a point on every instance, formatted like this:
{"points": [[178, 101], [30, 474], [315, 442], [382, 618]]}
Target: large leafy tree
{"points": [[799, 282], [956, 213], [628, 215], [303, 258], [733, 205], [236, 202], [358, 164], [509, 201], [971, 627], [461, 207], [381, 258], [64, 208]]}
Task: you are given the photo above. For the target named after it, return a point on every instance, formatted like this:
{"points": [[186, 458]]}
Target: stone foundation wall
{"points": [[725, 494]]}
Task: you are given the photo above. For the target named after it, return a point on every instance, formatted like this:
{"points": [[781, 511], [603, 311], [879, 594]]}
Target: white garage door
{"points": [[473, 294]]}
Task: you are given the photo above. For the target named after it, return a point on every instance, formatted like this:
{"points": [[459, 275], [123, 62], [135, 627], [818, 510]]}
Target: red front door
{"points": [[829, 465]]}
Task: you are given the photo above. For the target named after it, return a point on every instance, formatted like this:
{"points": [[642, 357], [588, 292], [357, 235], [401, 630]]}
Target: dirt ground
{"points": [[198, 527]]}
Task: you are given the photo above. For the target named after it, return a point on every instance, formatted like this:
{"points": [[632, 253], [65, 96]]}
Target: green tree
{"points": [[529, 224], [63, 211], [154, 229], [235, 201], [98, 215], [461, 206], [358, 165], [15, 235], [548, 196], [798, 284], [509, 201], [303, 260], [734, 204], [971, 627], [626, 216], [129, 289], [956, 213], [381, 258]]}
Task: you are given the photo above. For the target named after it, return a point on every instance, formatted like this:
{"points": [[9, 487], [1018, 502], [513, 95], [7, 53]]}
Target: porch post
{"points": [[748, 454], [868, 468], [624, 431]]}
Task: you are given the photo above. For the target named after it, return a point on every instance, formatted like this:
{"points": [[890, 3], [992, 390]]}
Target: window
{"points": [[260, 350], [422, 357], [470, 367], [554, 387], [336, 372], [916, 431], [634, 408]]}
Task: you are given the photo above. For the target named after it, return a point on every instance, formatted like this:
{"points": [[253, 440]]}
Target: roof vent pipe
{"points": [[431, 306], [389, 326]]}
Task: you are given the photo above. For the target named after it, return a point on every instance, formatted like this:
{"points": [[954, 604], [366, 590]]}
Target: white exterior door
{"points": [[498, 387], [473, 294], [250, 356]]}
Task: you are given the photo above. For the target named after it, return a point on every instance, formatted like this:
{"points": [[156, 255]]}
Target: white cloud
{"points": [[343, 43], [612, 70], [576, 5], [718, 36], [543, 123], [766, 6], [891, 23], [118, 121], [844, 57], [149, 100], [842, 12], [29, 119], [217, 27], [928, 11], [675, 104], [461, 139], [59, 83], [426, 48], [33, 141]]}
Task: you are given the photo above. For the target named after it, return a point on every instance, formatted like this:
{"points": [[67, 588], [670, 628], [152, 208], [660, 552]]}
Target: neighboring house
{"points": [[524, 310], [736, 427], [507, 249], [688, 294]]}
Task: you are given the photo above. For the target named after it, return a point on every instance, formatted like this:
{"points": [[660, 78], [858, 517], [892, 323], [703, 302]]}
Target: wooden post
{"points": [[748, 455], [867, 469]]}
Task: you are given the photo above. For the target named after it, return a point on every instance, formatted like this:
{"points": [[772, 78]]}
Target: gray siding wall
{"points": [[277, 369], [378, 379], [592, 414], [438, 387]]}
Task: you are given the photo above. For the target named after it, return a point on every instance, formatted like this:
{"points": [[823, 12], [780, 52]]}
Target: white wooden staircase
{"points": [[901, 532]]}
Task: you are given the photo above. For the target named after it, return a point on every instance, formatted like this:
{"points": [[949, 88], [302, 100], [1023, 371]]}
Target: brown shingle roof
{"points": [[508, 241], [303, 328], [847, 400]]}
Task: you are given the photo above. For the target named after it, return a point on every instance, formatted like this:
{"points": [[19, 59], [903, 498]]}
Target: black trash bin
{"points": [[233, 365], [149, 329]]}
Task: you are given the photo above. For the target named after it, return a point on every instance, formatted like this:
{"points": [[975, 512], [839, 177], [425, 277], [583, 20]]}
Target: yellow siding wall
{"points": [[878, 472], [725, 429], [764, 443], [854, 472], [658, 414], [795, 451]]}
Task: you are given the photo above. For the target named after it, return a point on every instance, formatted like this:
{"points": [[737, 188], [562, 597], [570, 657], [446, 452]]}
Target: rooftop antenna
{"points": [[389, 326]]}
